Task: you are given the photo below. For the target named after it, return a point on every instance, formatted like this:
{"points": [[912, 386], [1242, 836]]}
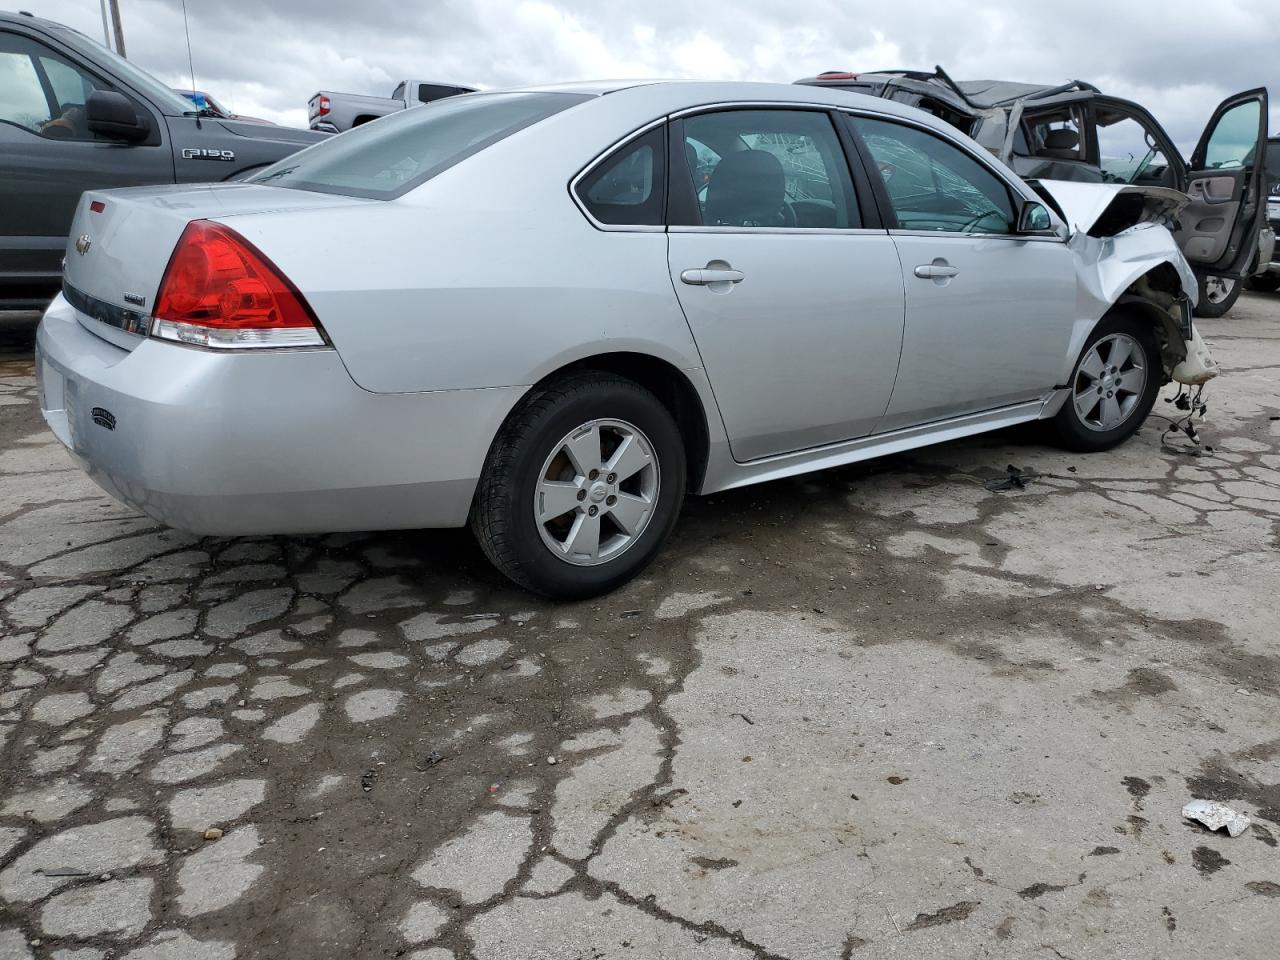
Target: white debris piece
{"points": [[1199, 366], [1216, 816]]}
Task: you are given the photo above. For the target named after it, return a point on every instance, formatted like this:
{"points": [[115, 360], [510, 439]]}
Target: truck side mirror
{"points": [[113, 115]]}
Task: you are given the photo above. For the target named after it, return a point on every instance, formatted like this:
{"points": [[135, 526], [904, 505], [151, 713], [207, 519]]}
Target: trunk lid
{"points": [[121, 242]]}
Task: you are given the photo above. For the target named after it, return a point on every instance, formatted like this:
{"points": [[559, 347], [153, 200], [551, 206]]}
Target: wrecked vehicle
{"points": [[696, 287], [1075, 132], [1267, 279]]}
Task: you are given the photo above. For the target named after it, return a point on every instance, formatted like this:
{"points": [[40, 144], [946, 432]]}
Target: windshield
{"points": [[165, 99], [387, 158]]}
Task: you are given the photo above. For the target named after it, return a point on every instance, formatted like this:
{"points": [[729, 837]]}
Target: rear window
{"points": [[387, 158]]}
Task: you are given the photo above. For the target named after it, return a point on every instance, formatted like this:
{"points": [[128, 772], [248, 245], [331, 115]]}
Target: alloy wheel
{"points": [[1109, 382], [596, 492], [1218, 289]]}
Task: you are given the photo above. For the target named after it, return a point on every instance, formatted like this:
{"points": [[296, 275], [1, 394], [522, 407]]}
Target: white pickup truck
{"points": [[334, 112]]}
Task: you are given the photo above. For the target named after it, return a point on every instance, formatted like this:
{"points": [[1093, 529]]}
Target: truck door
{"points": [[48, 157]]}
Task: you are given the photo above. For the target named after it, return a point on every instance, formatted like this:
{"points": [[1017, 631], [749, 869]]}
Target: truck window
{"points": [[383, 160], [42, 92], [398, 92]]}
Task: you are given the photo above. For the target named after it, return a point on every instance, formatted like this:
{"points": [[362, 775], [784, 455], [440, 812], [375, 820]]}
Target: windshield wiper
{"points": [[278, 173]]}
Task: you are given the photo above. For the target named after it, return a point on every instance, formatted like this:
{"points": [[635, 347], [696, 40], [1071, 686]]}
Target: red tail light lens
{"points": [[324, 106], [220, 291]]}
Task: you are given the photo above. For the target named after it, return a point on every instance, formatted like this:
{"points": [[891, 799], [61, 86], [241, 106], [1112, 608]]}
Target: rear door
{"points": [[794, 297], [1227, 186]]}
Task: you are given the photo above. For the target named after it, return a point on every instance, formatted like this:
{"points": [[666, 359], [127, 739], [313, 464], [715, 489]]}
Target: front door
{"points": [[989, 312], [1227, 186], [796, 307]]}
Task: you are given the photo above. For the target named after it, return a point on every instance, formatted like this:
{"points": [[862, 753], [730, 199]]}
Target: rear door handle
{"points": [[935, 271], [705, 275]]}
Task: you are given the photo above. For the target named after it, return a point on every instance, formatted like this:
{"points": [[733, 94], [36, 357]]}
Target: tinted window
{"points": [[627, 188], [934, 185], [1234, 138], [22, 99], [766, 168], [385, 159]]}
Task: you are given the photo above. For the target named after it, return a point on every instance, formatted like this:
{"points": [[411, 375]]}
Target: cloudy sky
{"points": [[267, 57]]}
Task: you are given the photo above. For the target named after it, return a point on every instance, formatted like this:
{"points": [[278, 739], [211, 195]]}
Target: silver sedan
{"points": [[551, 313]]}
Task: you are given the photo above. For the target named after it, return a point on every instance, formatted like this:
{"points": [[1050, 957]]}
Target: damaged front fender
{"points": [[1127, 255]]}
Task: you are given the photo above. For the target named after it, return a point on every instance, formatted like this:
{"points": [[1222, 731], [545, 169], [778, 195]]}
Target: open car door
{"points": [[1227, 185]]}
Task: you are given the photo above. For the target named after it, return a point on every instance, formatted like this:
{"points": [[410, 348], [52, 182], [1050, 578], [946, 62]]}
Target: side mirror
{"points": [[1035, 220], [114, 116]]}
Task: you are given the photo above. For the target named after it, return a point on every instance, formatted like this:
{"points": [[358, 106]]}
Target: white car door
{"points": [[989, 311], [794, 298]]}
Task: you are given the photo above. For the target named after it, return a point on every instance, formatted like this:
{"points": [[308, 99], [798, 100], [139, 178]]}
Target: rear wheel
{"points": [[582, 486], [1113, 386], [1264, 282], [1217, 296]]}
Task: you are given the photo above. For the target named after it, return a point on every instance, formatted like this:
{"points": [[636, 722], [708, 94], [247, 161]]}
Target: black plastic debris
{"points": [[1014, 479], [429, 761]]}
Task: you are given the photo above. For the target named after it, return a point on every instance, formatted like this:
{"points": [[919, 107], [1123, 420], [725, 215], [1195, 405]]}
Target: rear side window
{"points": [[383, 160], [628, 187]]}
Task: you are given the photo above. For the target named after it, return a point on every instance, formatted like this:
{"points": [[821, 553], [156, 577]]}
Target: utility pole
{"points": [[106, 27], [119, 29]]}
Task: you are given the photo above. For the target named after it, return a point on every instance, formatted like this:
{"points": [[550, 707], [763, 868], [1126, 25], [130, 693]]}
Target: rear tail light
{"points": [[837, 75], [220, 291], [324, 106]]}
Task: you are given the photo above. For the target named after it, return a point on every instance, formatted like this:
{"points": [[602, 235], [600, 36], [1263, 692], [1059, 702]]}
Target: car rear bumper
{"points": [[274, 442]]}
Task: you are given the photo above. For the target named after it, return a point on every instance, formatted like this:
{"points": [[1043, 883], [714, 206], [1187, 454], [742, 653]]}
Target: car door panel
{"points": [[803, 350], [799, 326], [992, 334], [988, 312], [1227, 186]]}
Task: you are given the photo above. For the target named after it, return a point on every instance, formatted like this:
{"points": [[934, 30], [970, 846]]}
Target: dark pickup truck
{"points": [[74, 117]]}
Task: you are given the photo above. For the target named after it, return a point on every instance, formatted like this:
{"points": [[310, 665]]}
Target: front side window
{"points": [[1234, 138], [384, 160], [766, 168], [934, 185], [1128, 151], [42, 92], [627, 187]]}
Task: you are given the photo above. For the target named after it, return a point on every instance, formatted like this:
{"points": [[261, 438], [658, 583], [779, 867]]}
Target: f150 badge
{"points": [[197, 153]]}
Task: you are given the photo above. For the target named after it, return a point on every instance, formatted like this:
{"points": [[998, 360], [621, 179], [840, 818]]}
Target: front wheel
{"points": [[1217, 296], [1113, 386], [581, 487]]}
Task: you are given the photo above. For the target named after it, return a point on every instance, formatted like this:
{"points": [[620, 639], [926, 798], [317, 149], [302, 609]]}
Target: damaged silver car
{"points": [[557, 310], [1076, 132]]}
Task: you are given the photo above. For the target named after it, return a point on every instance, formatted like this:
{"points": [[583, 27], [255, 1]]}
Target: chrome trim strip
{"points": [[818, 231], [122, 318]]}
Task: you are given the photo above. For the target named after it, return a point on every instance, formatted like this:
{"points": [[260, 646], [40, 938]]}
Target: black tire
{"points": [[1264, 283], [1069, 428], [1210, 309], [502, 517]]}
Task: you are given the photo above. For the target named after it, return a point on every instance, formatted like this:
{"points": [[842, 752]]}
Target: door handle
{"points": [[936, 271], [705, 275]]}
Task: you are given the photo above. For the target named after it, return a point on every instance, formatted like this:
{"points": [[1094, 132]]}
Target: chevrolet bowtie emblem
{"points": [[83, 243]]}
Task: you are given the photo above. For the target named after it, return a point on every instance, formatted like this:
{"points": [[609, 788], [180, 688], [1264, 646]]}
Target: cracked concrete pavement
{"points": [[879, 711]]}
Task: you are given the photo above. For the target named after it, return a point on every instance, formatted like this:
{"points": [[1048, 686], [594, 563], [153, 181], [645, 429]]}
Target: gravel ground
{"points": [[880, 711]]}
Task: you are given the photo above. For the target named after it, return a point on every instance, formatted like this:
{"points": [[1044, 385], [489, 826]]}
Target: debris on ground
{"points": [[1014, 479], [1216, 816], [430, 760], [213, 833]]}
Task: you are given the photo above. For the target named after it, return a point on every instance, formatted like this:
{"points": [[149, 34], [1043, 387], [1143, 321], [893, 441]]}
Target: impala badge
{"points": [[83, 243], [137, 299]]}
